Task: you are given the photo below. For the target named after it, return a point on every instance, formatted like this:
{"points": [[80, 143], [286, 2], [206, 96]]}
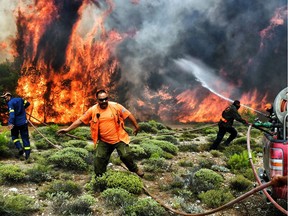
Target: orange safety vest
{"points": [[92, 116]]}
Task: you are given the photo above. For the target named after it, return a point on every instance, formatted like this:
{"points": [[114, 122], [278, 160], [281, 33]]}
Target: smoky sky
{"points": [[225, 35]]}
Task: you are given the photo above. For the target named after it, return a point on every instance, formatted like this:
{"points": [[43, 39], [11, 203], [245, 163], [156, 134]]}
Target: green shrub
{"points": [[216, 153], [209, 130], [216, 198], [241, 141], [148, 128], [43, 144], [125, 180], [205, 163], [59, 202], [39, 173], [150, 149], [70, 158], [233, 149], [4, 144], [206, 179], [17, 205], [187, 135], [166, 146], [240, 183], [138, 152], [240, 161], [188, 148], [185, 163], [168, 138], [50, 132], [177, 182], [129, 131], [80, 206], [57, 186], [75, 143], [118, 197], [162, 148], [145, 206], [156, 164], [157, 125], [45, 130], [249, 174], [11, 174], [82, 132]]}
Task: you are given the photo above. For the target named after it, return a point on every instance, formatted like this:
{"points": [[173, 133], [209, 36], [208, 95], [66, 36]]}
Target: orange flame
{"points": [[63, 96]]}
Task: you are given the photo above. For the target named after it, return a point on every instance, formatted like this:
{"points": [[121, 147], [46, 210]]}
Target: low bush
{"points": [[80, 206], [216, 153], [240, 161], [240, 183], [57, 186], [209, 130], [188, 148], [166, 146], [114, 179], [82, 132], [156, 164], [138, 152], [118, 198], [70, 158], [206, 163], [187, 135], [11, 174], [42, 143], [17, 205], [129, 131], [206, 179], [148, 128], [216, 198], [145, 206], [39, 173], [75, 143], [157, 125], [168, 138], [151, 149], [185, 163], [4, 149], [233, 149]]}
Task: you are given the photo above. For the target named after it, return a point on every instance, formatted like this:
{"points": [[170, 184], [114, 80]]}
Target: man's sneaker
{"points": [[140, 173]]}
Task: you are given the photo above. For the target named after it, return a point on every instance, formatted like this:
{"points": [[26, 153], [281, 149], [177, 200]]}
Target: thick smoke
{"points": [[8, 28], [225, 35]]}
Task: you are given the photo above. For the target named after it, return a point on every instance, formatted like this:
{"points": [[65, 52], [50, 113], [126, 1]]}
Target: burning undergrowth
{"points": [[70, 49]]}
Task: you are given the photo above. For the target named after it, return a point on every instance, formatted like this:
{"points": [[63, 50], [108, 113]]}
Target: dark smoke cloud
{"points": [[225, 35]]}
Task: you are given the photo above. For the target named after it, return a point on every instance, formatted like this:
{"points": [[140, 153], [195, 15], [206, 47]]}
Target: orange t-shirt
{"points": [[107, 130], [110, 130]]}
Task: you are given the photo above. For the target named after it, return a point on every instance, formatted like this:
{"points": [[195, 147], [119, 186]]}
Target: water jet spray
{"points": [[205, 75]]}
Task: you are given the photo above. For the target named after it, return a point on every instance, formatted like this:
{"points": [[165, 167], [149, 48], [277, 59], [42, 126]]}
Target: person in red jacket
{"points": [[106, 120], [226, 124]]}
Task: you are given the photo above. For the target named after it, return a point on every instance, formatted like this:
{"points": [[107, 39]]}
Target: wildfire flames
{"points": [[60, 94], [68, 54]]}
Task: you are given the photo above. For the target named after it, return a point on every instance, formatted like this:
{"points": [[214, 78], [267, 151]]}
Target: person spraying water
{"points": [[208, 79]]}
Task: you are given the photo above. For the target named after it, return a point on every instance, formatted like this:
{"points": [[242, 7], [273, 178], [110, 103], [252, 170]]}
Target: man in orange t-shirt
{"points": [[107, 129]]}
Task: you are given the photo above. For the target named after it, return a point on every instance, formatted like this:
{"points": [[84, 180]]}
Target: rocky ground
{"points": [[255, 205]]}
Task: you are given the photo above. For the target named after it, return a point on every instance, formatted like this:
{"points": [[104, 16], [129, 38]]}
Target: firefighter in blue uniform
{"points": [[17, 123], [226, 124]]}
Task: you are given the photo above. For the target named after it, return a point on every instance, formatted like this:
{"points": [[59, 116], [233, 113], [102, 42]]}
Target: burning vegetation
{"points": [[70, 49]]}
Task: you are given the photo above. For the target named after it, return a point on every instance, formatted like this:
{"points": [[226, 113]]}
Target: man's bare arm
{"points": [[74, 125]]}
